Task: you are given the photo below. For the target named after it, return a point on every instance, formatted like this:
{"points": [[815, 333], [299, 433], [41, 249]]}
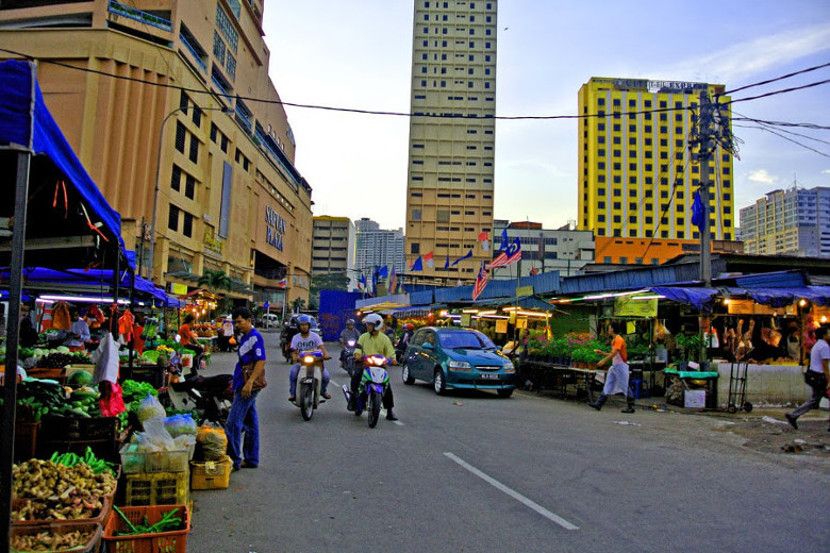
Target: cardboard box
{"points": [[694, 399]]}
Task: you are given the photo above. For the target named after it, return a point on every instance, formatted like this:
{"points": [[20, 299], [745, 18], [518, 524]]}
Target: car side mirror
{"points": [[427, 345]]}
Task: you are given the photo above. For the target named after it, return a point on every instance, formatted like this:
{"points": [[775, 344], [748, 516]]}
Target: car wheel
{"points": [[407, 378], [438, 382], [505, 393]]}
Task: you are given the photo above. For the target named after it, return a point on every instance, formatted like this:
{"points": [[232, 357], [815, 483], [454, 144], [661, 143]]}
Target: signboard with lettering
{"points": [[274, 228], [627, 306]]}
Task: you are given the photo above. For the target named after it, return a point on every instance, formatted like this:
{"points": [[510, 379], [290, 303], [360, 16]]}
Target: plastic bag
{"points": [[113, 404], [212, 442], [150, 408], [155, 436], [181, 425]]}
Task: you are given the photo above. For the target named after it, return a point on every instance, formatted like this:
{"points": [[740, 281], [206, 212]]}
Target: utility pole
{"points": [[706, 145]]}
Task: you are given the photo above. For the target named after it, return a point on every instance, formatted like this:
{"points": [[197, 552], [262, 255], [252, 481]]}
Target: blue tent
{"points": [[27, 125]]}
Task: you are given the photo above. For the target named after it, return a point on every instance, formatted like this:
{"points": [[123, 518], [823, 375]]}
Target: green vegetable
{"points": [[168, 523]]}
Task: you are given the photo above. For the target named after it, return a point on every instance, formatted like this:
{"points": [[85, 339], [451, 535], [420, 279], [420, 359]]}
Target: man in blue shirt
{"points": [[248, 379]]}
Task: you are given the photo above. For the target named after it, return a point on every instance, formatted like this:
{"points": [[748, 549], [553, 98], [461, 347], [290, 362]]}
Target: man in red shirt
{"points": [[616, 381]]}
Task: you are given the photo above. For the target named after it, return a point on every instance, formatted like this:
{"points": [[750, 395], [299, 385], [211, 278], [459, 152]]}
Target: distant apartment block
{"points": [[376, 247], [795, 221], [333, 247], [544, 250]]}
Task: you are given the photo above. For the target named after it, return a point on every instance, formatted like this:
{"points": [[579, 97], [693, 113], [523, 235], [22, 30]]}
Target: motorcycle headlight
{"points": [[351, 343], [308, 359], [459, 366]]}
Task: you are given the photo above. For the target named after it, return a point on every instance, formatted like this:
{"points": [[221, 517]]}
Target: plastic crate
{"points": [[58, 375], [211, 475], [151, 374], [157, 488], [100, 518], [165, 542], [54, 529], [134, 461]]}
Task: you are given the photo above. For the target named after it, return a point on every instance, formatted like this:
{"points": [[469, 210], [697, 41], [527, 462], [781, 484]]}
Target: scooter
{"points": [[347, 357], [373, 385], [309, 383], [210, 396]]}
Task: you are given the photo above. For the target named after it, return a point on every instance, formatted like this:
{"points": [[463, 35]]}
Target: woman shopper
{"points": [[248, 380]]}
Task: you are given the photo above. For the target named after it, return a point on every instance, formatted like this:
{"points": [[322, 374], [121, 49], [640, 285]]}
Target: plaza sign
{"points": [[274, 228]]}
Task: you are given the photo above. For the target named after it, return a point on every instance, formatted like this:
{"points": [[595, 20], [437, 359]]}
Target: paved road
{"points": [[472, 472]]}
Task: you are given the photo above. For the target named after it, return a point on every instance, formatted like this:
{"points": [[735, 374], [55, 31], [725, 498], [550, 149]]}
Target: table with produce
{"points": [[85, 482]]}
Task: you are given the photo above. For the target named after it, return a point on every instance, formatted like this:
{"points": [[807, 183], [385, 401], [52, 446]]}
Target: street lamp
{"points": [[152, 254]]}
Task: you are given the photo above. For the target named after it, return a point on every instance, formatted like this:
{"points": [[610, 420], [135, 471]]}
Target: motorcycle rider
{"points": [[348, 333], [306, 340], [403, 341], [374, 342]]}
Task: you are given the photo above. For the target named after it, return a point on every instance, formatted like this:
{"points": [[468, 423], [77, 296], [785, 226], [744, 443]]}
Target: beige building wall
{"points": [[114, 125], [451, 158]]}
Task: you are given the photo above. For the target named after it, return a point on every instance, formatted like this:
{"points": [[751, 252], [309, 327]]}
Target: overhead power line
{"points": [[782, 123], [780, 91], [776, 133], [781, 78], [384, 112]]}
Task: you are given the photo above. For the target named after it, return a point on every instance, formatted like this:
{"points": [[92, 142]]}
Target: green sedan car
{"points": [[457, 358]]}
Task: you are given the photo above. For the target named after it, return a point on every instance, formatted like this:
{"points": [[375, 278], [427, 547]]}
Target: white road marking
{"points": [[512, 493]]}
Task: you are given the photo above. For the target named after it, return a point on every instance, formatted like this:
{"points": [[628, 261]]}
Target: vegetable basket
{"points": [[165, 542], [100, 518], [90, 546]]}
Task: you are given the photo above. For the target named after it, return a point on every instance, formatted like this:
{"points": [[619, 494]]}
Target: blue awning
{"points": [[697, 297], [25, 122], [781, 297]]}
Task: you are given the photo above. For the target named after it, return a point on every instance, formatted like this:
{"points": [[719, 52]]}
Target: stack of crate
{"points": [[156, 478]]}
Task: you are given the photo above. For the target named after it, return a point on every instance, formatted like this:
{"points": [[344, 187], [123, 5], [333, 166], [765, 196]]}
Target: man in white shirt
{"points": [[817, 376]]}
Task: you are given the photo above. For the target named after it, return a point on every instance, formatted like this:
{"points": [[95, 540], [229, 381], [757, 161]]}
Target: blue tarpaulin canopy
{"points": [[697, 297], [26, 123], [100, 278], [781, 297]]}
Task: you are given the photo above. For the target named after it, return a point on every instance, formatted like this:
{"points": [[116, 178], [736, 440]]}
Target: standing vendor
{"points": [[188, 338], [79, 333], [616, 381]]}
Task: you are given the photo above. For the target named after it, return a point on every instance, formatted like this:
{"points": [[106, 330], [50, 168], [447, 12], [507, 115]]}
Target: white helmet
{"points": [[373, 319]]}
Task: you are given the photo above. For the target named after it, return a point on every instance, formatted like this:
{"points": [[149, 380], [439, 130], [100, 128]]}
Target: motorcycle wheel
{"points": [[359, 404], [307, 402], [374, 409]]}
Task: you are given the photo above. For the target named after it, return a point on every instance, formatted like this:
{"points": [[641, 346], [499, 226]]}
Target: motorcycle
{"points": [[373, 384], [210, 397], [347, 360], [309, 383]]}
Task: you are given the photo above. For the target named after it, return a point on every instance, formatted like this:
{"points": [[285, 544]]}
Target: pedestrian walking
{"points": [[616, 380], [817, 376], [248, 380]]}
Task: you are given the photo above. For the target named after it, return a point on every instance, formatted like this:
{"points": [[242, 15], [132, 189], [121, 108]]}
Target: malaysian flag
{"points": [[481, 281], [508, 257]]}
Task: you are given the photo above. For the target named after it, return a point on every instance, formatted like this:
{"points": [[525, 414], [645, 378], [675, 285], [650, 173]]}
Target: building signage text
{"points": [[274, 228]]}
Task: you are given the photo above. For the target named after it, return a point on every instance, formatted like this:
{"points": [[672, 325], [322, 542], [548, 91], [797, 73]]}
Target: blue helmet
{"points": [[303, 320]]}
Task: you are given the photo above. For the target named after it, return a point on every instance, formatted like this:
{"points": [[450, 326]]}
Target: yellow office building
{"points": [[451, 136], [635, 167], [208, 174]]}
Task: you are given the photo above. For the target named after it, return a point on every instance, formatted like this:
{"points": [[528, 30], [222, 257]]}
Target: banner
{"points": [[628, 306]]}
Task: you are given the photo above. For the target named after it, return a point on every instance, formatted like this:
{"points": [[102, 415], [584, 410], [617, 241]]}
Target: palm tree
{"points": [[215, 280]]}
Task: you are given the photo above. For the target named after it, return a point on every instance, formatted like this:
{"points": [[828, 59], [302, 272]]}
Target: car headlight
{"points": [[509, 367], [459, 366]]}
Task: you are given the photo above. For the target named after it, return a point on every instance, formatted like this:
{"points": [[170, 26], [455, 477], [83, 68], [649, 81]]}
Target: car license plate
{"points": [[487, 376]]}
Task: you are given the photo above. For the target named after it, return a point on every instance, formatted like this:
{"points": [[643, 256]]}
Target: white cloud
{"points": [[762, 176], [826, 172], [738, 62]]}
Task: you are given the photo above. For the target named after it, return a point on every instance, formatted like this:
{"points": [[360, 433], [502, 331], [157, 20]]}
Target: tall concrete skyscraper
{"points": [[451, 136]]}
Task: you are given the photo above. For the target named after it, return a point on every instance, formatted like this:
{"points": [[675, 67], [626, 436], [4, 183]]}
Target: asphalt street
{"points": [[472, 472]]}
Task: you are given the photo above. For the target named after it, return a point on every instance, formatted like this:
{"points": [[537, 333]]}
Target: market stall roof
{"points": [[94, 280], [528, 302], [383, 302], [781, 297], [60, 184], [697, 297]]}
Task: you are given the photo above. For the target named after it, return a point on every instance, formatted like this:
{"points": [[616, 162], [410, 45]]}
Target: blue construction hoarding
{"points": [[335, 307]]}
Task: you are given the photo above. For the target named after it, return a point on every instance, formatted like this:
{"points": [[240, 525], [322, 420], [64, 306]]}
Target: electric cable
{"points": [[814, 126], [777, 92], [764, 127], [780, 78], [776, 133]]}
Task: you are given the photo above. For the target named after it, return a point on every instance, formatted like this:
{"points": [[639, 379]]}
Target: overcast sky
{"points": [[357, 53]]}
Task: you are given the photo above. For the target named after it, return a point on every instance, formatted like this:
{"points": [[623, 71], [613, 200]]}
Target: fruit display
{"points": [[45, 490], [58, 360], [72, 459], [52, 540]]}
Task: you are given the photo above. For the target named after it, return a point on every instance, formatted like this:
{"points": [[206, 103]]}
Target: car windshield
{"points": [[465, 340]]}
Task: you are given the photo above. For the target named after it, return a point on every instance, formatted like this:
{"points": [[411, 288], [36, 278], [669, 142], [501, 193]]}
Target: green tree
{"points": [[215, 280]]}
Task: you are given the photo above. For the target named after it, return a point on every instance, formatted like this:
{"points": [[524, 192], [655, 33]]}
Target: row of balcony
{"points": [[141, 16]]}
